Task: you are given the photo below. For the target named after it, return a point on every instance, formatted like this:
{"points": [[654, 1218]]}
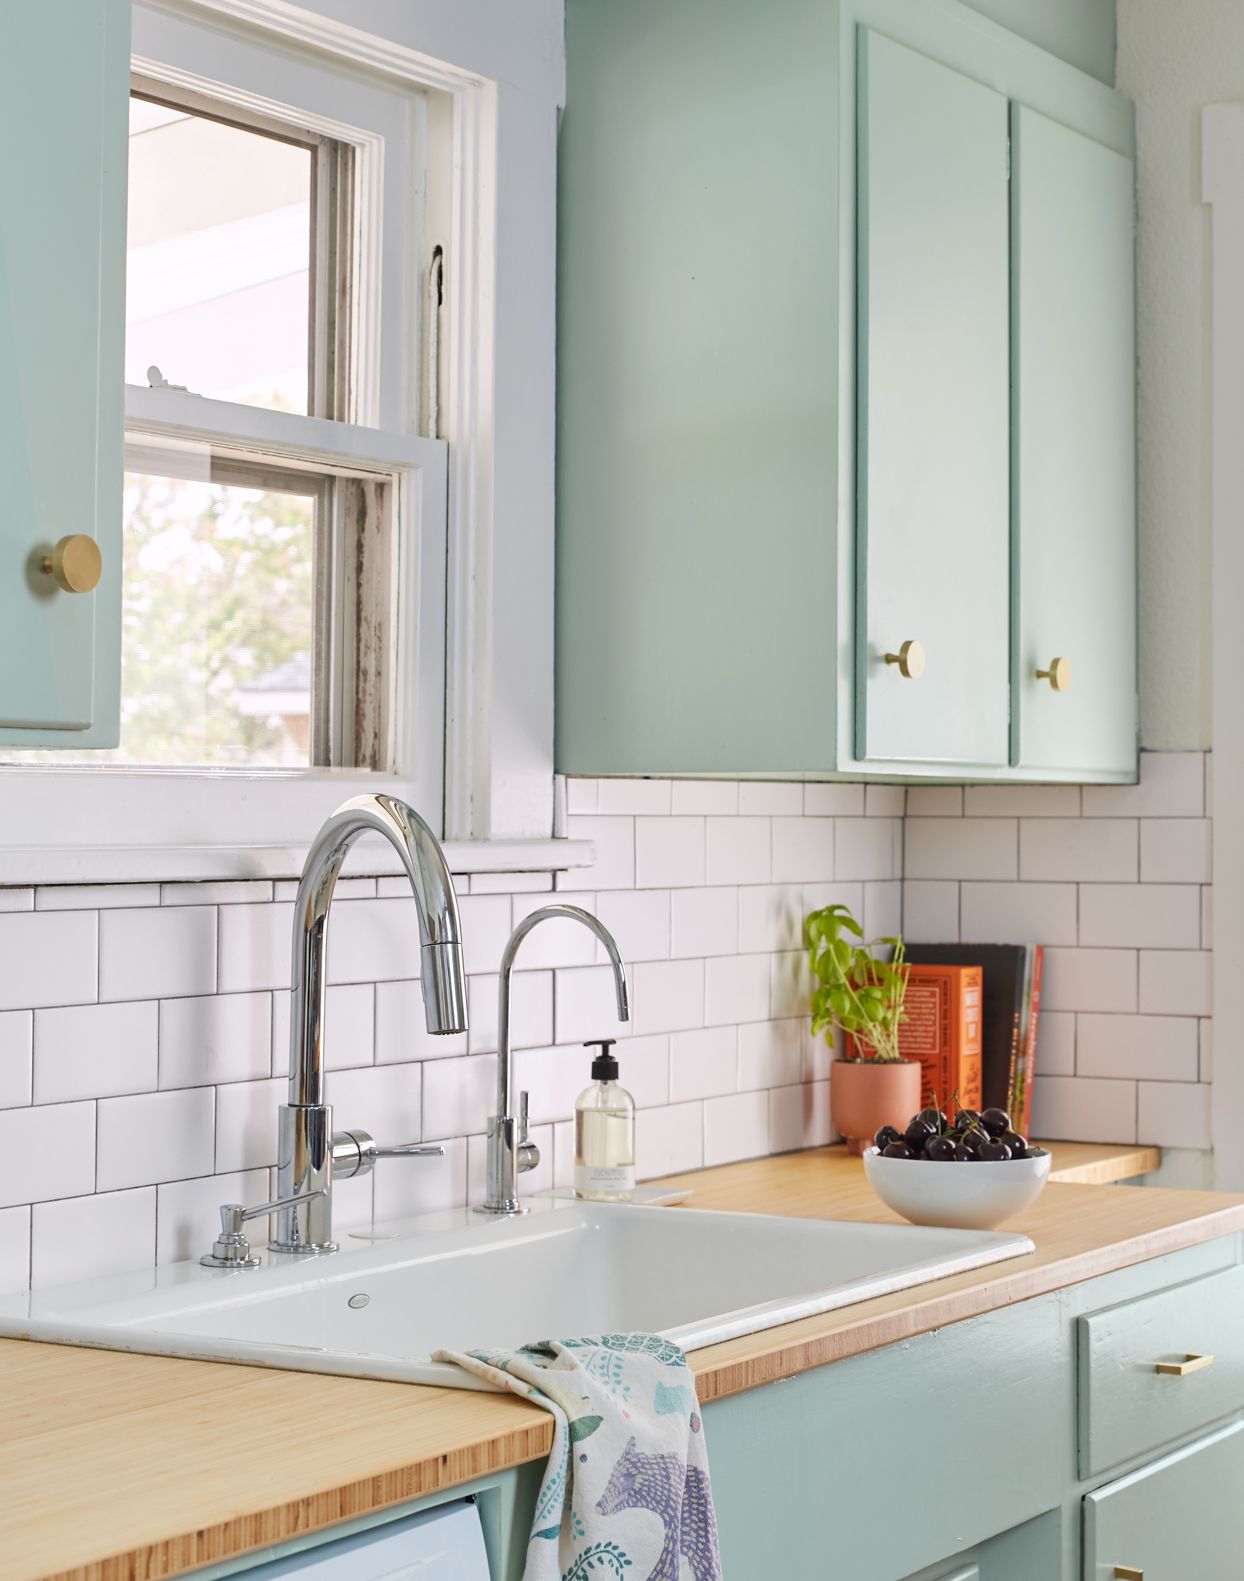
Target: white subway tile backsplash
{"points": [[14, 1250], [231, 893], [735, 1127], [95, 897], [704, 922], [760, 798], [487, 921], [1176, 982], [188, 1211], [770, 917], [788, 984], [1148, 1048], [883, 909], [935, 801], [422, 1185], [669, 997], [581, 795], [531, 1015], [459, 1095], [510, 884], [799, 1117], [158, 1136], [353, 888], [1174, 1114], [736, 988], [376, 941], [651, 797], [47, 1151], [113, 1232], [712, 798], [639, 920], [867, 848], [1162, 916], [1089, 980], [703, 1064], [828, 800], [255, 947], [553, 1078], [738, 851], [770, 1054], [157, 953], [16, 1061], [1074, 850], [1172, 785], [585, 1005], [614, 867], [385, 1100], [669, 852], [645, 1069], [1019, 914], [401, 1024], [557, 941], [246, 1121], [1175, 851], [1083, 1109], [1021, 801], [885, 801], [961, 848], [215, 1038], [803, 849], [47, 958], [95, 1051], [1056, 1042], [931, 910]]}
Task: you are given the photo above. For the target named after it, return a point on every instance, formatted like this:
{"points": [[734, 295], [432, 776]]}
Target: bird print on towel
{"points": [[679, 1496]]}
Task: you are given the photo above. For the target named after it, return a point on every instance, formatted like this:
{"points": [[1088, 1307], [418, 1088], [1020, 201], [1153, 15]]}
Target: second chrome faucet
{"points": [[511, 1151]]}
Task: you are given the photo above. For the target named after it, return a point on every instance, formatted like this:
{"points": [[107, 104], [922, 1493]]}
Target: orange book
{"points": [[943, 1031]]}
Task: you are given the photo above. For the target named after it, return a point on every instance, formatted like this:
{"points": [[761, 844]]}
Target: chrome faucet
{"points": [[511, 1151], [308, 1153]]}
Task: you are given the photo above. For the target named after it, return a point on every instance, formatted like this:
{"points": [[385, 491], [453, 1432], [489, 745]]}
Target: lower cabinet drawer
{"points": [[1180, 1519], [1153, 1370]]}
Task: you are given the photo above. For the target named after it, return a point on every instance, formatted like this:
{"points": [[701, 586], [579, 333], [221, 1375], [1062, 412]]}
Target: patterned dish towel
{"points": [[626, 1492]]}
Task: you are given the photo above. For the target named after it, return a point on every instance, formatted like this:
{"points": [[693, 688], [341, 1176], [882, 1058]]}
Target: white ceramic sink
{"points": [[380, 1307]]}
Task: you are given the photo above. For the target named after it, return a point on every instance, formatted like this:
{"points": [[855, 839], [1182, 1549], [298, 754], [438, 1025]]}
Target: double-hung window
{"points": [[285, 504]]}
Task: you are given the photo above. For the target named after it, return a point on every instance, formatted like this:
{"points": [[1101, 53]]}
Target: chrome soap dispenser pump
{"points": [[604, 1133]]}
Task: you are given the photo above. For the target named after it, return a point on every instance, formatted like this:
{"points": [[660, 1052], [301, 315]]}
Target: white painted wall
{"points": [[1173, 59]]}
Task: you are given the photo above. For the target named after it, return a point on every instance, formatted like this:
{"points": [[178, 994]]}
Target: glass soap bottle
{"points": [[604, 1133]]}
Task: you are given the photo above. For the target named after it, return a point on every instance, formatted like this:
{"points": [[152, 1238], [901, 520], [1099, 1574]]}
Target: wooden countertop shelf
{"points": [[117, 1467]]}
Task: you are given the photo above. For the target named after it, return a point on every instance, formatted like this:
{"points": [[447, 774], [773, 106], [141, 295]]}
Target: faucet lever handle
{"points": [[528, 1154], [524, 1117], [409, 1150]]}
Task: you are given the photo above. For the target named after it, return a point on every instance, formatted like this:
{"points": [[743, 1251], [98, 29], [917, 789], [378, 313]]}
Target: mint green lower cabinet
{"points": [[1180, 1519], [64, 96]]}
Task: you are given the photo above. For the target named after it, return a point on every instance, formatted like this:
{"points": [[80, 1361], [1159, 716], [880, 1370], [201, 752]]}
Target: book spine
{"points": [[1024, 1121], [1023, 1008]]}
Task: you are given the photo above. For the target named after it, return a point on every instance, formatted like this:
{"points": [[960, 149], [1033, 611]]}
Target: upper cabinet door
{"points": [[933, 412], [64, 89], [1074, 523]]}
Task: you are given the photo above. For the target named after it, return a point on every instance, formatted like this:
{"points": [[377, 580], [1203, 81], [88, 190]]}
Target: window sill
{"points": [[68, 864]]}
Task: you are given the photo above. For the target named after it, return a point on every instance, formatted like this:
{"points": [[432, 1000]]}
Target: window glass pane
{"points": [[218, 262], [216, 648]]}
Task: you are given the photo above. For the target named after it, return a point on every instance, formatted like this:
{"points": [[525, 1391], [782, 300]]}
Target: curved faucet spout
{"points": [[510, 1151], [440, 932]]}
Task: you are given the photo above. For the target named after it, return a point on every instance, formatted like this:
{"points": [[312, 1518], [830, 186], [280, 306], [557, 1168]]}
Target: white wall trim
{"points": [[1222, 187]]}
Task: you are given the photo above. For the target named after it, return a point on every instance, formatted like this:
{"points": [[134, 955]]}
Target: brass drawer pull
{"points": [[1180, 1369], [909, 658], [1128, 1573]]}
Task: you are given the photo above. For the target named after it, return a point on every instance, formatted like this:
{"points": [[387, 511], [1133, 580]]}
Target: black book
{"points": [[1004, 1011]]}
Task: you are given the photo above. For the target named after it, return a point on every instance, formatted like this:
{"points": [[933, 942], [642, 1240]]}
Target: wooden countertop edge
{"points": [[239, 1536], [798, 1347]]}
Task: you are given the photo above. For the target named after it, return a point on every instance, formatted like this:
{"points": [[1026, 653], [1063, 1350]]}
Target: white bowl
{"points": [[956, 1195]]}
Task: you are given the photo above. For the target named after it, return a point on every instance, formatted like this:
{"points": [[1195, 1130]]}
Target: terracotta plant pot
{"points": [[866, 1094]]}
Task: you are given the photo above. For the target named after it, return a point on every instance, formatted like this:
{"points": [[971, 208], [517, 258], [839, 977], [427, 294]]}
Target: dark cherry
{"points": [[965, 1155], [917, 1134], [940, 1149], [1017, 1144], [994, 1152], [933, 1118], [972, 1141], [996, 1121], [886, 1135], [965, 1119], [897, 1150]]}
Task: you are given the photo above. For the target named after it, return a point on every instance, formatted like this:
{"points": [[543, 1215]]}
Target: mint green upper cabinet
{"points": [[933, 481], [64, 88], [1178, 1519], [1074, 520]]}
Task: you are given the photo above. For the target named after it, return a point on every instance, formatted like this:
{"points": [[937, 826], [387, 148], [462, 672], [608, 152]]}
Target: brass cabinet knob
{"points": [[1181, 1369], [1058, 675], [910, 660], [76, 563]]}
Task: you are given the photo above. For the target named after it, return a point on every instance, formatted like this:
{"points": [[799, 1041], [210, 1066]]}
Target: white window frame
{"points": [[480, 767]]}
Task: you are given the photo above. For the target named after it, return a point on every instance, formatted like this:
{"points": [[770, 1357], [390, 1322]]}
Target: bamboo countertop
{"points": [[117, 1467]]}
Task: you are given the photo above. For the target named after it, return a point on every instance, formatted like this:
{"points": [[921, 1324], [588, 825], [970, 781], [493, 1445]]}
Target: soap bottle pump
{"points": [[604, 1133]]}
